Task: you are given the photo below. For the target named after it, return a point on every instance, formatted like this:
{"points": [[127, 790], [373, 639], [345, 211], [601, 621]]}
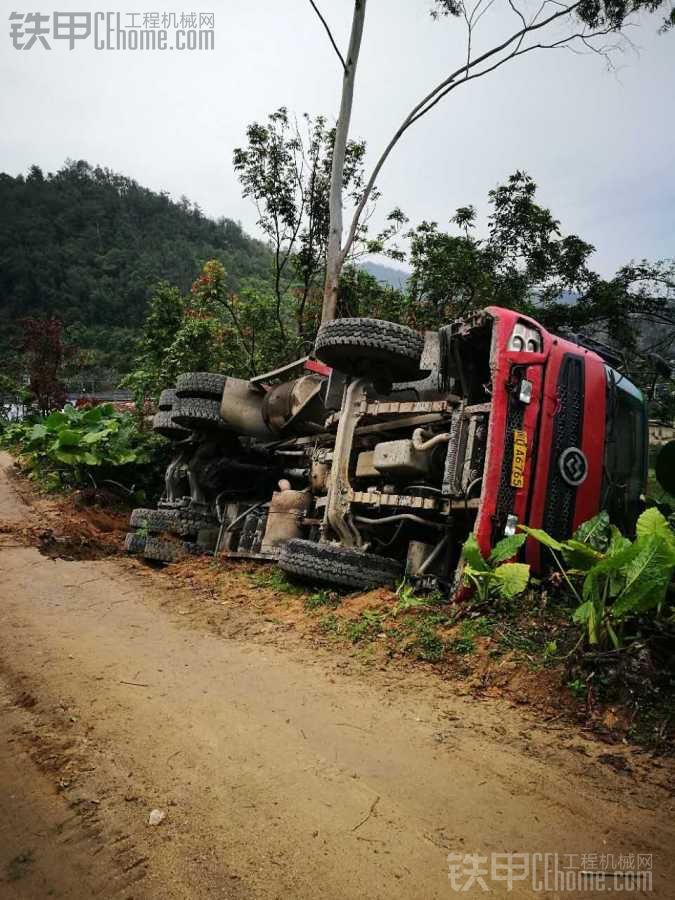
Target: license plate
{"points": [[519, 459]]}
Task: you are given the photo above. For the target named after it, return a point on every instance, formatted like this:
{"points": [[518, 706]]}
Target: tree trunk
{"points": [[334, 260]]}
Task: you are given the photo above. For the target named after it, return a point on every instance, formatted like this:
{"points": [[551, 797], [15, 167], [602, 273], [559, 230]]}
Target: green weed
{"points": [[612, 578], [330, 624], [321, 599], [275, 580], [367, 626]]}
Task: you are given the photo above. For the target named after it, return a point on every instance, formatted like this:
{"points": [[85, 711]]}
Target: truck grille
{"points": [[506, 492], [567, 432]]}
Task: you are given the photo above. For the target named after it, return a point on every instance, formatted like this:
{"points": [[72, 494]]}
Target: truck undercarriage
{"points": [[376, 457]]}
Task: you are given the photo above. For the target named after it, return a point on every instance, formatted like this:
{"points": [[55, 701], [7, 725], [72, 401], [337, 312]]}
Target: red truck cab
{"points": [[567, 434]]}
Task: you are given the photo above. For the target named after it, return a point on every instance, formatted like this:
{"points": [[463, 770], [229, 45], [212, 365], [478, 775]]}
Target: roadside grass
{"points": [[330, 625], [527, 649], [367, 627], [468, 631], [534, 630], [321, 600], [430, 629], [275, 580], [429, 645]]}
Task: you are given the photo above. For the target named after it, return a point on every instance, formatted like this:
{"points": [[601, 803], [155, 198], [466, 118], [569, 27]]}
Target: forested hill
{"points": [[86, 244]]}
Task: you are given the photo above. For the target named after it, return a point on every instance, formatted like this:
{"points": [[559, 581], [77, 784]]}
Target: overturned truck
{"points": [[374, 458]]}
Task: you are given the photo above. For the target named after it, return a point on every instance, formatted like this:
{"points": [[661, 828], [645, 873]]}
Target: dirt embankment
{"points": [[66, 527], [283, 763]]}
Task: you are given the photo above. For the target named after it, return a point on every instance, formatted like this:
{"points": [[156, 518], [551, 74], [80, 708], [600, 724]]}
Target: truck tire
{"points": [[336, 565], [166, 400], [166, 551], [370, 348], [134, 543], [197, 413], [175, 521], [162, 423], [205, 385]]}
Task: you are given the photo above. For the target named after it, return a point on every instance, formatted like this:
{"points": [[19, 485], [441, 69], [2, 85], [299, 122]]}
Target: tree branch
{"points": [[441, 90], [328, 32]]}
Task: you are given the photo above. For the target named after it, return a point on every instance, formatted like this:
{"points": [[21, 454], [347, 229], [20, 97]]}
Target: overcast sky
{"points": [[599, 144]]}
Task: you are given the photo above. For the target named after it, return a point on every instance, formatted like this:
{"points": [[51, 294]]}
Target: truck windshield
{"points": [[625, 472]]}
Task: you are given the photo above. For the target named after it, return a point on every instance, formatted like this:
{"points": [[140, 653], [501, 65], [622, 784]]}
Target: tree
{"points": [[87, 244], [635, 311], [525, 262], [44, 356], [335, 258], [596, 26], [361, 294], [166, 309], [211, 329], [286, 168]]}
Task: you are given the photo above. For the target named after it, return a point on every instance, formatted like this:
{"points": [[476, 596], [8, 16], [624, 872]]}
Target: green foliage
{"points": [[594, 533], [81, 446], [98, 356], [418, 633], [525, 262], [166, 310], [428, 643], [652, 523], [613, 578], [408, 599], [367, 626], [578, 687], [469, 630], [550, 651], [505, 550], [87, 244], [285, 168], [361, 294], [494, 577], [208, 330], [523, 255], [321, 599], [12, 392], [330, 624], [275, 580]]}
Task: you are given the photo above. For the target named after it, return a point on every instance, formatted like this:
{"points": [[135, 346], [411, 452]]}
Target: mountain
{"points": [[86, 244], [396, 278]]}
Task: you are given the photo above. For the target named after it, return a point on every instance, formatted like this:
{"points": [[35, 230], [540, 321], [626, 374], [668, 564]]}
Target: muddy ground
{"points": [[284, 763]]}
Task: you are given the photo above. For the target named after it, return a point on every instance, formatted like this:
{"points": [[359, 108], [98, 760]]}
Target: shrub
{"points": [[84, 446], [495, 576], [614, 579]]}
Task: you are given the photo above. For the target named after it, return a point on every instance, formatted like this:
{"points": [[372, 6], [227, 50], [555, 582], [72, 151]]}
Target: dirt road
{"points": [[282, 773]]}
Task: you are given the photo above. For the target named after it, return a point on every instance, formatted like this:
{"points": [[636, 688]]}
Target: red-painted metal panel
{"points": [[538, 421], [313, 365]]}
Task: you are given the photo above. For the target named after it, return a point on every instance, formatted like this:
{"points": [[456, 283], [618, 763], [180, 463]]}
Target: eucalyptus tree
{"points": [[594, 26], [287, 168]]}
